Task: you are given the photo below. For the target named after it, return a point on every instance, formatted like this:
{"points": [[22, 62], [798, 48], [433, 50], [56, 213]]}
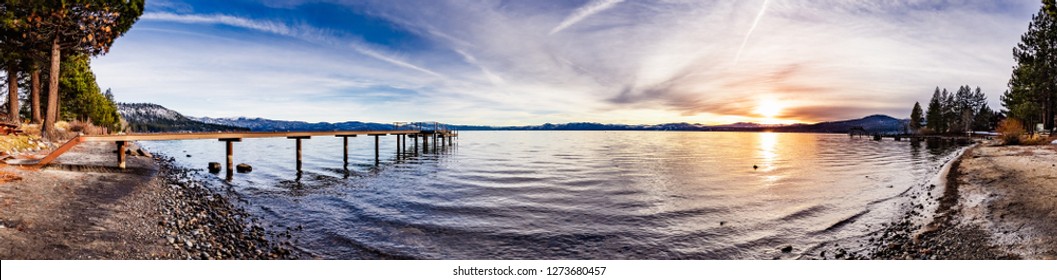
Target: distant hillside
{"points": [[260, 124], [873, 124], [147, 117]]}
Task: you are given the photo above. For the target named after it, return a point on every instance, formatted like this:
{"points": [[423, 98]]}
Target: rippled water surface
{"points": [[592, 195]]}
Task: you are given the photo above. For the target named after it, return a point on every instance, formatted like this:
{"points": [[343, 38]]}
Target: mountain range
{"points": [[145, 117]]}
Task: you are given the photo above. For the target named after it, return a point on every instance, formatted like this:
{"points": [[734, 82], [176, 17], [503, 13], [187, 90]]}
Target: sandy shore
{"points": [[84, 208], [98, 213], [1000, 202]]}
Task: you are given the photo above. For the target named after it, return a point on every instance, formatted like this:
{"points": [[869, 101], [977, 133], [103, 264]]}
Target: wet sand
{"points": [[1000, 202]]}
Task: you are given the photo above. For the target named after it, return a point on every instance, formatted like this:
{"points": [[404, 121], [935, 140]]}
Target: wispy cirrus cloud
{"points": [[593, 7], [524, 62], [298, 31]]}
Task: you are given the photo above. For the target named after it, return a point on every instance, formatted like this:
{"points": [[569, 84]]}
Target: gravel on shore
{"points": [[999, 202], [82, 207], [203, 224]]}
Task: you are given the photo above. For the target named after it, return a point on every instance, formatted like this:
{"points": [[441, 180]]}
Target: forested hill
{"points": [[873, 124], [155, 118], [261, 124], [147, 117]]}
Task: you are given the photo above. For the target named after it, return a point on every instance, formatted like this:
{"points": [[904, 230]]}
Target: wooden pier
{"points": [[122, 140]]}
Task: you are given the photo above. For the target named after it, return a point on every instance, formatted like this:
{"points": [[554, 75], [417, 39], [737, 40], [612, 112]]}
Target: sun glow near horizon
{"points": [[769, 109]]}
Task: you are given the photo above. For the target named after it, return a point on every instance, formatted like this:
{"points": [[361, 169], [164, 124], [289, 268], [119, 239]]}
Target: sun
{"points": [[768, 108]]}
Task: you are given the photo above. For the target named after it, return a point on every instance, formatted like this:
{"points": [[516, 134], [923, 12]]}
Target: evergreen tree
{"points": [[1032, 93], [81, 97], [983, 119], [75, 27], [915, 117], [949, 111], [934, 113]]}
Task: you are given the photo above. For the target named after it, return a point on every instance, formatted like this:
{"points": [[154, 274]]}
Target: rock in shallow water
{"points": [[243, 168], [214, 167]]}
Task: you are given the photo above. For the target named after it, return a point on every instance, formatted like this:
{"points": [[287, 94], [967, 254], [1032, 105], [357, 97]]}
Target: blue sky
{"points": [[530, 62]]}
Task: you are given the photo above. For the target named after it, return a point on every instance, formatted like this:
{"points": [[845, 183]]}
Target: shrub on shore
{"points": [[1011, 131], [1034, 139], [13, 144]]}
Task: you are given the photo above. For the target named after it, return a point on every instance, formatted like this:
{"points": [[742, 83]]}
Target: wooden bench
{"points": [[9, 129]]}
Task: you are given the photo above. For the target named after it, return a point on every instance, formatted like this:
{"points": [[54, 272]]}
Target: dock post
{"points": [[376, 159], [121, 154], [425, 144], [230, 152], [415, 137], [345, 148], [398, 147], [298, 148]]}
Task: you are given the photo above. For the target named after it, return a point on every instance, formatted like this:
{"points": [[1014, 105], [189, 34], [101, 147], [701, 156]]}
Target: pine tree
{"points": [[1032, 93], [949, 106], [72, 28], [81, 97], [915, 117], [934, 113]]}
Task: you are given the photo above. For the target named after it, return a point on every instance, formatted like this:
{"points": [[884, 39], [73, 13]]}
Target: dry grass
{"points": [[1034, 139], [10, 144], [1012, 131], [86, 128]]}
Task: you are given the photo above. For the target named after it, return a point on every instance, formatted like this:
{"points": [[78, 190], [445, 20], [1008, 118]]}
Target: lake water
{"points": [[582, 195]]}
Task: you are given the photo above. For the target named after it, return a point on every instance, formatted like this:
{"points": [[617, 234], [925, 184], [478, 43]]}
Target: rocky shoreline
{"points": [[202, 224], [944, 238], [997, 203]]}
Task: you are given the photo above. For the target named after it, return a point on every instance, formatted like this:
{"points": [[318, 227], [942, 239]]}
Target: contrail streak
{"points": [[754, 23], [583, 12]]}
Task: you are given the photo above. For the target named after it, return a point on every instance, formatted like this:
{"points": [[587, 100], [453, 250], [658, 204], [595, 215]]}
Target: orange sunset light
{"points": [[769, 108]]}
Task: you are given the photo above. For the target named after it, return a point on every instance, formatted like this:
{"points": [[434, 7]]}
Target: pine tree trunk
{"points": [[53, 88], [34, 94], [1049, 113], [12, 94]]}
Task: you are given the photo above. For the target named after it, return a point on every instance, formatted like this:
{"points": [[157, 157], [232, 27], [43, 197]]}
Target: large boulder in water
{"points": [[243, 168], [214, 167]]}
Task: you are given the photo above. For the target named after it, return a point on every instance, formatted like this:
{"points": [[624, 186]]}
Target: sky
{"points": [[489, 62]]}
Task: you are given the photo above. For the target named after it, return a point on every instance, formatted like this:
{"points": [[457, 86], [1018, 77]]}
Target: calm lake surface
{"points": [[565, 194]]}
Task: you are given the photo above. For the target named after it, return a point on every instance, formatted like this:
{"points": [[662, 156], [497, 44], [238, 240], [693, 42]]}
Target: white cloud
{"points": [[302, 32], [496, 62]]}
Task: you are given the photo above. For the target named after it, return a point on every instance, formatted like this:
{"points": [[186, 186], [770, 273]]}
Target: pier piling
{"points": [[298, 148], [376, 159], [230, 152], [345, 147], [122, 142], [425, 144]]}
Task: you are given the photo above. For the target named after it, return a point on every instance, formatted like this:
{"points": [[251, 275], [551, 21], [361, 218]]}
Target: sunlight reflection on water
{"points": [[568, 194]]}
